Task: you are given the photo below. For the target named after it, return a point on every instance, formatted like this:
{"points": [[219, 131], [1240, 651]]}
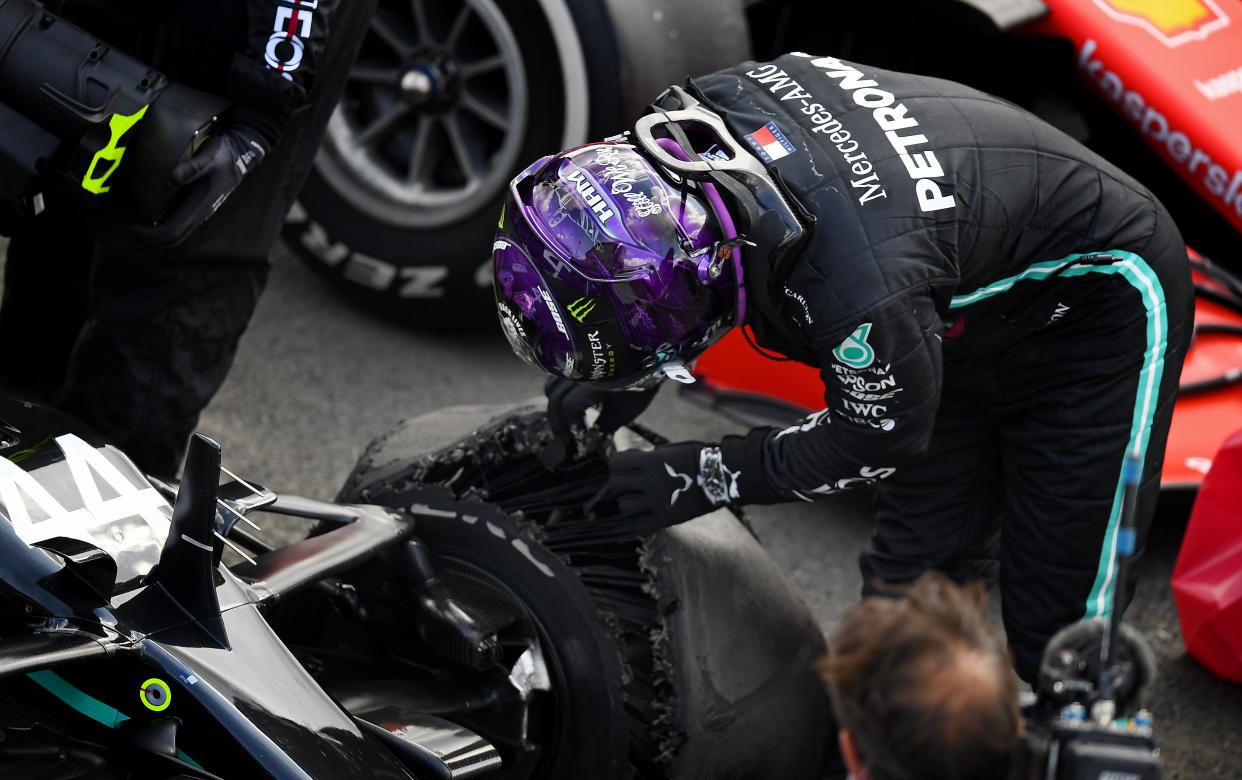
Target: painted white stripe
{"points": [[1146, 410], [1139, 275], [426, 511], [196, 543]]}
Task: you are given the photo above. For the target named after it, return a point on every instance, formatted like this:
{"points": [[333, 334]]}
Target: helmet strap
{"points": [[750, 185], [711, 264]]}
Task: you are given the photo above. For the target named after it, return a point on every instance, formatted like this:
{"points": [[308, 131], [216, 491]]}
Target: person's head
{"points": [[922, 686], [609, 269]]}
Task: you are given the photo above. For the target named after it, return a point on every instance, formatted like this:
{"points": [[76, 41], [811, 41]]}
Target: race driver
{"points": [[998, 314]]}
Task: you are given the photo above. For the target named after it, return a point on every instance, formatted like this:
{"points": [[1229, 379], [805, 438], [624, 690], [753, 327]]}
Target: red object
{"points": [[1207, 580], [1202, 420], [732, 367], [1173, 69]]}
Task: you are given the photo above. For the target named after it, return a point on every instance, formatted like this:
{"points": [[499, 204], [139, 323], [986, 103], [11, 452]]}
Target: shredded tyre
{"points": [[716, 649]]}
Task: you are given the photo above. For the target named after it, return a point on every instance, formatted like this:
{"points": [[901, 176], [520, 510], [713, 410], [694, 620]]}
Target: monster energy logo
{"points": [[118, 126], [580, 308], [855, 352]]}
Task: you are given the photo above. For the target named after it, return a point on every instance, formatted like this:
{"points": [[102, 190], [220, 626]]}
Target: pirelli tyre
{"points": [[447, 100], [575, 726], [697, 650]]}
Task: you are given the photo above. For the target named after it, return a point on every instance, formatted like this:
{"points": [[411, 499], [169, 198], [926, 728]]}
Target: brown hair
{"points": [[924, 684]]}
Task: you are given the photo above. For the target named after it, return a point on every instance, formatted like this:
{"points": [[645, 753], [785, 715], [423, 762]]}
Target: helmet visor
{"points": [[610, 215]]}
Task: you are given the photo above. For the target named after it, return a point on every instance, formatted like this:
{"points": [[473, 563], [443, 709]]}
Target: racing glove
{"points": [[205, 181], [652, 489], [567, 404]]}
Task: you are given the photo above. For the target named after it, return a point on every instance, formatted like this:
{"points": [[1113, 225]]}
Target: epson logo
{"points": [[590, 196], [860, 384]]}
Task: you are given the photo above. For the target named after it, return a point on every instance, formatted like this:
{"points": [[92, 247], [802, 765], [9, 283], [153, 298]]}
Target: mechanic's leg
{"points": [[47, 266], [159, 343], [942, 512], [166, 324], [1093, 387]]}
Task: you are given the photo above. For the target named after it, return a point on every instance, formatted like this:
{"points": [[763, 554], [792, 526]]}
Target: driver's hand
{"points": [[567, 404], [652, 489]]}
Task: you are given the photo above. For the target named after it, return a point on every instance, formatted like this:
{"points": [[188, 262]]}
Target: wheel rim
{"points": [[433, 115], [548, 722]]}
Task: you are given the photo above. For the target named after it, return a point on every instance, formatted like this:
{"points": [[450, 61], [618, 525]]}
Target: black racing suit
{"points": [[998, 314], [136, 343]]}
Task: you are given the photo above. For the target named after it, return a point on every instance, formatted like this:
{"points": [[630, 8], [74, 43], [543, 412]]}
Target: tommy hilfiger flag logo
{"points": [[770, 143]]}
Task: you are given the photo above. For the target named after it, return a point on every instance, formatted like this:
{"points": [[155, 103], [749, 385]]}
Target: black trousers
{"points": [[1042, 402], [136, 343]]}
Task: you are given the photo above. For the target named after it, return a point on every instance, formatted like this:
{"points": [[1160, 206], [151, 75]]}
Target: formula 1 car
{"points": [[446, 618]]}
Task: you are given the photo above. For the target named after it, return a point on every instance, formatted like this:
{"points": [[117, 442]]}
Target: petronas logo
{"points": [[855, 352], [580, 308]]}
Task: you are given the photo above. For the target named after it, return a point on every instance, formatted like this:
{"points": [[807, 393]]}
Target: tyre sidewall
{"points": [[583, 660], [443, 275]]}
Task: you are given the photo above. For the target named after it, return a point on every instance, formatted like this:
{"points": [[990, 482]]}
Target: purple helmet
{"points": [[609, 271]]}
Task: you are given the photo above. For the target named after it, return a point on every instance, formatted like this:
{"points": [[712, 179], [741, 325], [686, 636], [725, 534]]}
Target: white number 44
{"points": [[37, 515]]}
